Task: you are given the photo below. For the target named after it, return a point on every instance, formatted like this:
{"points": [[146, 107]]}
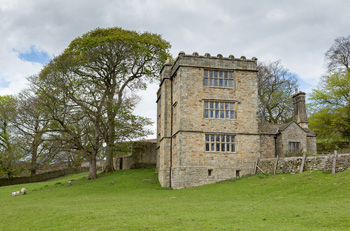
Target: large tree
{"points": [[9, 155], [331, 106], [89, 88], [116, 61], [275, 88], [31, 124], [338, 55], [330, 102]]}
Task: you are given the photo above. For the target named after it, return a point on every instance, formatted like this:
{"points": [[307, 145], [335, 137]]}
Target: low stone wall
{"points": [[42, 177], [293, 164]]}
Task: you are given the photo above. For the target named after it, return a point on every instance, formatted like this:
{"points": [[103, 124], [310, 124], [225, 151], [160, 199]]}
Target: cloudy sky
{"points": [[296, 32]]}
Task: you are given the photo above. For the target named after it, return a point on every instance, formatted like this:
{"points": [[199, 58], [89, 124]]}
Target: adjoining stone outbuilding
{"points": [[286, 139], [207, 125]]}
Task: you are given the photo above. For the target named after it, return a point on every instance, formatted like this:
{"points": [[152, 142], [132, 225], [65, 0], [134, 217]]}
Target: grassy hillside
{"points": [[133, 200]]}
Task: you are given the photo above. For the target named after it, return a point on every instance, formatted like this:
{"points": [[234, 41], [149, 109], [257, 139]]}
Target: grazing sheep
{"points": [[69, 183], [24, 191], [13, 194], [17, 193]]}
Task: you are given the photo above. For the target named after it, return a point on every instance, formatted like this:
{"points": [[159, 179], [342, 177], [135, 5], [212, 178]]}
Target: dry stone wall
{"points": [[293, 164]]}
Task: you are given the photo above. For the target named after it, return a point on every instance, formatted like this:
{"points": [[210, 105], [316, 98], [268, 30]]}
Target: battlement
{"points": [[209, 62]]}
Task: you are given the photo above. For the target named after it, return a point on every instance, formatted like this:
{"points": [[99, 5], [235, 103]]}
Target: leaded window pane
{"points": [[215, 82], [206, 113], [205, 82], [230, 83], [217, 114], [215, 74], [222, 115]]}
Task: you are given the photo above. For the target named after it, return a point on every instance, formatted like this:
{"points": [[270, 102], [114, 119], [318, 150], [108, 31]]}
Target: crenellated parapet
{"points": [[209, 61]]}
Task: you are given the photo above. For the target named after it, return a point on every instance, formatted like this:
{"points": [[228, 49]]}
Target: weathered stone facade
{"points": [[142, 155], [278, 139], [184, 160], [207, 126]]}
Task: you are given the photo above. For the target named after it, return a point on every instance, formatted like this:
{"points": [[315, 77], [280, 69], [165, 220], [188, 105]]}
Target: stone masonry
{"points": [[207, 120]]}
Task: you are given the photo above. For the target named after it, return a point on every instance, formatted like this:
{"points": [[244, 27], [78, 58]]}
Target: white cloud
{"points": [[297, 32]]}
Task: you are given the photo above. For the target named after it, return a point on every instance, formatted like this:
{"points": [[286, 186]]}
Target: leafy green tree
{"points": [[89, 89], [117, 62], [330, 102], [31, 124], [331, 106], [9, 155], [276, 85]]}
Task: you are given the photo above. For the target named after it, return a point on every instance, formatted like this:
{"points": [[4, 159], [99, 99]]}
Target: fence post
{"points": [[302, 163], [275, 168], [256, 165], [334, 162]]}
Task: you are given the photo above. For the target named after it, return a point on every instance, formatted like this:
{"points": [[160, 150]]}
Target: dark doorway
{"points": [[121, 163]]}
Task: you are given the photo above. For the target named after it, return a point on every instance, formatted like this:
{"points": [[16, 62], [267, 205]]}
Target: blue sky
{"points": [[296, 32], [35, 56]]}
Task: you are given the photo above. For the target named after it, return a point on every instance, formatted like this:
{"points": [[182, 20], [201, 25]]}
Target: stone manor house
{"points": [[207, 125]]}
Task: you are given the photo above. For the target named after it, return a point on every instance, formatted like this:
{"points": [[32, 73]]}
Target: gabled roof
{"points": [[274, 129]]}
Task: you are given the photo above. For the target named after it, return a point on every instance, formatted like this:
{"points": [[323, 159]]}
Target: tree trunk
{"points": [[92, 169], [111, 135], [33, 166], [109, 159]]}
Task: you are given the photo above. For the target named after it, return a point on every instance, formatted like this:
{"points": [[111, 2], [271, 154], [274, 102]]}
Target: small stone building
{"points": [[207, 121], [142, 154], [290, 138]]}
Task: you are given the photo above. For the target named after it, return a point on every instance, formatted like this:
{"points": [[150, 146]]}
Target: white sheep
{"points": [[24, 191], [69, 183], [13, 194], [17, 193]]}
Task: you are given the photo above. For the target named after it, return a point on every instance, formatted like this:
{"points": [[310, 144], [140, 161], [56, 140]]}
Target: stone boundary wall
{"points": [[293, 164], [42, 177]]}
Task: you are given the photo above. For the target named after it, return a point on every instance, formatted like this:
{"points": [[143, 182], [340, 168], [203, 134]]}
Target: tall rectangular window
{"points": [[220, 143], [222, 79], [294, 146], [219, 110]]}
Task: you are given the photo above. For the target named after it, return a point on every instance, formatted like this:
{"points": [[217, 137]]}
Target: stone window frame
{"points": [[220, 109], [219, 79], [220, 143], [294, 146]]}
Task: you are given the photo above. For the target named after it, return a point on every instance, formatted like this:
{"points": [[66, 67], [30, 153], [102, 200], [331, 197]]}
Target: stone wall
{"points": [[267, 146], [293, 164], [42, 177], [143, 155]]}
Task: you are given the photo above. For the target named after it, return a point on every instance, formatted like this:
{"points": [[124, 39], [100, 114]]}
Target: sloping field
{"points": [[133, 200]]}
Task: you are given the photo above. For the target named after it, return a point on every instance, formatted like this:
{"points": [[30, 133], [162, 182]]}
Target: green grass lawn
{"points": [[134, 200]]}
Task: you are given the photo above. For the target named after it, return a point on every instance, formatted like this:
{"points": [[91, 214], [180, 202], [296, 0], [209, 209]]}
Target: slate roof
{"points": [[273, 129]]}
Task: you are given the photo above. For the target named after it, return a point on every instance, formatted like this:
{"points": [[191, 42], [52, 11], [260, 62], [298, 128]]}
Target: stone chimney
{"points": [[300, 116]]}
